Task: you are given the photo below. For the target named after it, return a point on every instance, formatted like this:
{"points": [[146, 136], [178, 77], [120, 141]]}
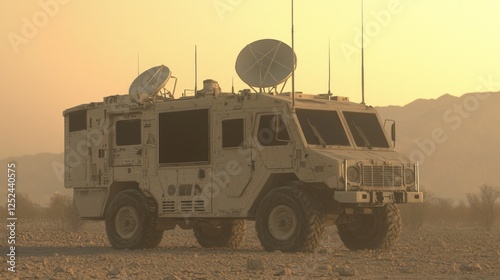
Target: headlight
{"points": [[409, 176], [353, 174]]}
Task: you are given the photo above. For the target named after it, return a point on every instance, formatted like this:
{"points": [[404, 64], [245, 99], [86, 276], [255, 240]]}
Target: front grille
{"points": [[382, 176]]}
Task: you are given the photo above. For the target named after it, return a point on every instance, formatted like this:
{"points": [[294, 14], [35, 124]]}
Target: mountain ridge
{"points": [[454, 138]]}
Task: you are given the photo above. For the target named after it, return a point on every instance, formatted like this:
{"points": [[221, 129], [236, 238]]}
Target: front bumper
{"points": [[378, 197]]}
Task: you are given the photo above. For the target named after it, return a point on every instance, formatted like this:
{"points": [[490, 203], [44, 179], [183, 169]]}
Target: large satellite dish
{"points": [[149, 83], [265, 63]]}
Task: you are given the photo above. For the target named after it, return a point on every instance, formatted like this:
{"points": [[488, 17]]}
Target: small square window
{"points": [[233, 133], [78, 120], [128, 132]]}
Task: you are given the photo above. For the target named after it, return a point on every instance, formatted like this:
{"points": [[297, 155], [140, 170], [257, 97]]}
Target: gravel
{"points": [[47, 251]]}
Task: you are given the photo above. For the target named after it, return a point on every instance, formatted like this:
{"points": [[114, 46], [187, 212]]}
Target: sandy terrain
{"points": [[439, 252]]}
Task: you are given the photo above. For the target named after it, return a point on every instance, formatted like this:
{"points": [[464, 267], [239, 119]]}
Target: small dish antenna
{"points": [[265, 63], [149, 83]]}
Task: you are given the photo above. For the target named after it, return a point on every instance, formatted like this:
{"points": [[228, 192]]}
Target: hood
{"points": [[361, 155]]}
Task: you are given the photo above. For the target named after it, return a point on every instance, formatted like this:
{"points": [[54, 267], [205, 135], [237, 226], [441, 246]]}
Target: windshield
{"points": [[366, 130], [322, 127]]}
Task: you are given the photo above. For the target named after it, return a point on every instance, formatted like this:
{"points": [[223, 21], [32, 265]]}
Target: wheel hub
{"points": [[282, 222], [127, 222]]}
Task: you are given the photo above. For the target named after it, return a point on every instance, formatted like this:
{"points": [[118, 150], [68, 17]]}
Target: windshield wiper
{"points": [[363, 136], [317, 134]]}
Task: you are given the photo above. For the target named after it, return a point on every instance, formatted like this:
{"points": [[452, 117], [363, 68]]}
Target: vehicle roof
{"points": [[302, 101]]}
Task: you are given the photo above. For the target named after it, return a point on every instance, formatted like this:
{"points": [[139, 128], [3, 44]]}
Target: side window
{"points": [[128, 132], [233, 133], [184, 136], [77, 121], [272, 131]]}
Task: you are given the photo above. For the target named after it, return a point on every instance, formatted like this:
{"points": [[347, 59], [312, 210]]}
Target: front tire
{"points": [[290, 220], [376, 231], [229, 234], [129, 225]]}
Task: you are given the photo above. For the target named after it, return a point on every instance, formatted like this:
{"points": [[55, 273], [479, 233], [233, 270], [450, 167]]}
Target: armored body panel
{"points": [[214, 156]]}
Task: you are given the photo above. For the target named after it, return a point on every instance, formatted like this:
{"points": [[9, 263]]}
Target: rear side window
{"points": [[232, 133], [78, 121], [128, 132]]}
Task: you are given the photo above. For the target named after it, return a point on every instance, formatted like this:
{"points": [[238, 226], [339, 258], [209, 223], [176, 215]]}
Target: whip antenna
{"points": [[293, 67], [329, 68], [195, 69], [362, 54]]}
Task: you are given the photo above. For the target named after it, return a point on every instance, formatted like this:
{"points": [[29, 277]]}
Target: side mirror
{"points": [[393, 133]]}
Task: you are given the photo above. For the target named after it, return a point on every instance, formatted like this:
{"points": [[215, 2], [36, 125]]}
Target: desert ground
{"points": [[46, 250]]}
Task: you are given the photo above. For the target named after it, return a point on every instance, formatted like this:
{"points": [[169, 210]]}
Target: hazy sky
{"points": [[56, 54]]}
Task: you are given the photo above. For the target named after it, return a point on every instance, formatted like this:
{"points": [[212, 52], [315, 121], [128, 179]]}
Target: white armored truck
{"points": [[148, 162]]}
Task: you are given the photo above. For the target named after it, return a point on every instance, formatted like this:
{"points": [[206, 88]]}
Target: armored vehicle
{"points": [[293, 163]]}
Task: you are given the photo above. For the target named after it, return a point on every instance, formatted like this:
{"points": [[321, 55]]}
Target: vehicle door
{"points": [[233, 160], [273, 141]]}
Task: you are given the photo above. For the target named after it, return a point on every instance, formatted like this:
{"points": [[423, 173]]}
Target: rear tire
{"points": [[129, 225], [229, 234], [376, 231], [290, 220]]}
